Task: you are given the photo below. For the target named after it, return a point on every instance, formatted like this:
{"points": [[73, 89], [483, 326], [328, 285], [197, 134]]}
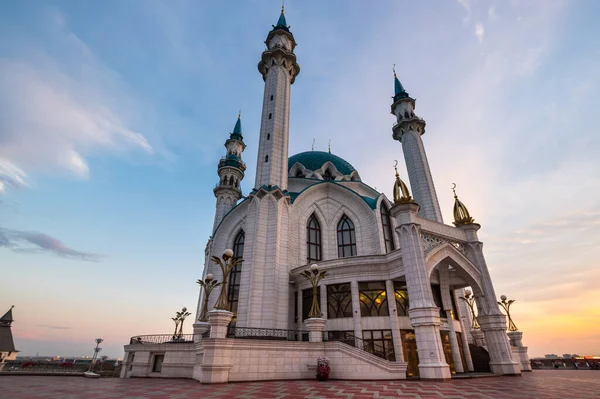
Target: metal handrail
{"points": [[350, 339], [162, 339], [266, 333]]}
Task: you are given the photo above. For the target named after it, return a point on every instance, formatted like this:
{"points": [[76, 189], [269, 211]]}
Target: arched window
{"points": [[266, 158], [231, 181], [268, 136], [299, 173], [328, 176], [346, 238], [386, 224], [313, 239], [233, 285]]}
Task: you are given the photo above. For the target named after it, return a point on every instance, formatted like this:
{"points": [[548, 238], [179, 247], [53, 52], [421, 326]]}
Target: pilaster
{"points": [[356, 317], [394, 324], [424, 315]]}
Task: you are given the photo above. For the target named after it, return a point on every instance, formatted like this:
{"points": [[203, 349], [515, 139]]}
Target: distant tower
{"points": [[231, 172], [408, 131], [7, 345], [279, 70]]}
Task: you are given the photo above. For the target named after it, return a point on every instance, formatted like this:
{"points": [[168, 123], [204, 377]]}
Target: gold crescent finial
{"points": [[454, 189], [313, 146], [282, 5], [394, 69], [396, 167], [240, 114], [329, 146]]}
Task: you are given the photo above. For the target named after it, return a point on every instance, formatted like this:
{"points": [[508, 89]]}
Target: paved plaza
{"points": [[547, 384]]}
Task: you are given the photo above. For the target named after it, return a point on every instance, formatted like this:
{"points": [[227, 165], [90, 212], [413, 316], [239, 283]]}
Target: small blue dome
{"points": [[313, 160]]}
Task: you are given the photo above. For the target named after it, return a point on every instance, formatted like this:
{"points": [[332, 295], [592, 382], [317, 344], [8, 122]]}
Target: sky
{"points": [[113, 117]]}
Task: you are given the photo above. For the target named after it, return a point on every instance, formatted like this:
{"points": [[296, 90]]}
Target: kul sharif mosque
{"points": [[396, 298]]}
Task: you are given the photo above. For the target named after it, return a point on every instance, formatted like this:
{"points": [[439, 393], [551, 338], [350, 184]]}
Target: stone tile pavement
{"points": [[547, 384]]}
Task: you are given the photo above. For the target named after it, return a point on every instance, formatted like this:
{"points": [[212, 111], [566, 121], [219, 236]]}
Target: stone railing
{"points": [[161, 339], [265, 333]]}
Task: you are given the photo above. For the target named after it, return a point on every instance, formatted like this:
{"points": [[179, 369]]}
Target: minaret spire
{"points": [[231, 172], [408, 131], [279, 69]]}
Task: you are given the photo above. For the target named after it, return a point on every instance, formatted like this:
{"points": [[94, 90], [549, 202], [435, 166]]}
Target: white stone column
{"points": [[490, 318], [356, 309], [219, 321], [299, 311], [200, 328], [464, 336], [447, 304], [519, 350], [424, 314], [323, 301], [315, 327], [394, 324]]}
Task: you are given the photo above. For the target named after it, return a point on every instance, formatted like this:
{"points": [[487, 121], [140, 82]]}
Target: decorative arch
{"points": [[449, 255]]}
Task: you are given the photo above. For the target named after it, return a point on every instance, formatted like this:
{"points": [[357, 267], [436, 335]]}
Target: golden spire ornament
{"points": [[461, 213], [401, 193]]}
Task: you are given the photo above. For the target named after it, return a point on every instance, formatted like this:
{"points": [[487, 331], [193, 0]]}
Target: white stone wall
{"points": [[178, 362]]}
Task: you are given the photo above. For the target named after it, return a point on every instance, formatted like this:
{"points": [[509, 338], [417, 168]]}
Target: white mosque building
{"points": [[390, 303]]}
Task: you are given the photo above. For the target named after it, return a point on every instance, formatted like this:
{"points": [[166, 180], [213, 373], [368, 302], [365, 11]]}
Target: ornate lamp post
{"points": [[506, 306], [314, 277], [228, 263], [96, 350], [470, 300], [179, 319], [209, 284]]}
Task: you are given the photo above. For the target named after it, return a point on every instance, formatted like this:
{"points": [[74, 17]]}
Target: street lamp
{"points": [[506, 306], [314, 277], [228, 263], [470, 300], [96, 350], [178, 319], [209, 284]]}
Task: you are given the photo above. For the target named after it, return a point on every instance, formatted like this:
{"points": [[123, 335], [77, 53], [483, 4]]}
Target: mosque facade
{"points": [[392, 303]]}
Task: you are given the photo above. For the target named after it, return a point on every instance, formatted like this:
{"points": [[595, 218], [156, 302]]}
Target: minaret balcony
{"points": [[413, 123]]}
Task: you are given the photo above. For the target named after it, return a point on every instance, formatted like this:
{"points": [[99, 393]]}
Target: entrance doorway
{"points": [[447, 350], [411, 356]]}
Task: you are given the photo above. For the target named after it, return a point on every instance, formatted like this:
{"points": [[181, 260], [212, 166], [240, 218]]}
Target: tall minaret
{"points": [[408, 131], [231, 172], [279, 69]]}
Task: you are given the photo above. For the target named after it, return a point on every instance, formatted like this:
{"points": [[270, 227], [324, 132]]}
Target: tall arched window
{"points": [[313, 239], [346, 238], [386, 223], [233, 285]]}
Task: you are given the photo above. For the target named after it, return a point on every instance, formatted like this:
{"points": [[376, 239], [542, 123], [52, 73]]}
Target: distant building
{"points": [[7, 345], [551, 356]]}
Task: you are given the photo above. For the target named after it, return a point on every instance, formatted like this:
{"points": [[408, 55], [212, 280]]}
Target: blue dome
{"points": [[313, 160]]}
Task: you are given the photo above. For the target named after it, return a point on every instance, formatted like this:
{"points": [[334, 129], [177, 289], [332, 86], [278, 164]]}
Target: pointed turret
{"points": [[231, 172], [237, 129], [8, 317], [461, 213], [399, 91], [281, 22], [7, 345], [401, 193]]}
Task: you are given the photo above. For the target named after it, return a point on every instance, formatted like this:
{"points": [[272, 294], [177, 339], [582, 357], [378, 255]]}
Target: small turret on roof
{"points": [[8, 317], [281, 22], [237, 129]]}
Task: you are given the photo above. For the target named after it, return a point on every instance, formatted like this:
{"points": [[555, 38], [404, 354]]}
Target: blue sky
{"points": [[113, 117]]}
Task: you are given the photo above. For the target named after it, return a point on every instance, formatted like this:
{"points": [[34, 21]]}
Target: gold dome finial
{"points": [[394, 69], [401, 193], [461, 213], [282, 5]]}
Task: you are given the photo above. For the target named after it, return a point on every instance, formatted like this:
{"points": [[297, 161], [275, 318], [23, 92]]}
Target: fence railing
{"points": [[350, 339], [162, 339], [45, 369], [265, 333]]}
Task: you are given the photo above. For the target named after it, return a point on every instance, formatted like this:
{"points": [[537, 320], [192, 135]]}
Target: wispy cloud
{"points": [[54, 327], [479, 32], [66, 114], [36, 242]]}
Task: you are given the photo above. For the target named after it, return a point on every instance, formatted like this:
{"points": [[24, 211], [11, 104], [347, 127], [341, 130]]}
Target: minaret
{"points": [[408, 131], [231, 172], [279, 70]]}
